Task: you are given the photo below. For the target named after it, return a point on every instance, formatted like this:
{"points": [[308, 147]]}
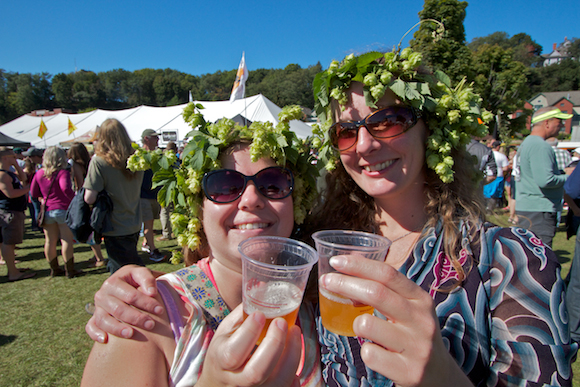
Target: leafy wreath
{"points": [[452, 114], [181, 184]]}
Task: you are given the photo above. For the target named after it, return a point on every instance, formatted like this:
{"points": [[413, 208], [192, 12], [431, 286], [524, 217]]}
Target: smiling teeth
{"points": [[251, 226], [378, 167]]}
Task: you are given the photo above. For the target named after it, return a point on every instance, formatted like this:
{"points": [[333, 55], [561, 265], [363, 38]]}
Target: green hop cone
{"points": [[333, 68], [335, 93], [316, 142], [453, 116], [377, 91], [386, 77], [406, 53], [432, 160], [370, 79]]}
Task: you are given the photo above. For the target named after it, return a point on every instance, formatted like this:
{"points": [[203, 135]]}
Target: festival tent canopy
{"points": [[135, 120], [9, 141]]}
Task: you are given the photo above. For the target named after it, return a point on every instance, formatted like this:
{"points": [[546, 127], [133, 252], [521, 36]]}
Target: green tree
{"points": [[141, 90], [62, 88], [447, 52], [524, 49], [116, 88], [502, 83], [563, 76]]}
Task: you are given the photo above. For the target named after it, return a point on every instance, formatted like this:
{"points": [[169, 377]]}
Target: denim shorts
{"points": [[55, 216]]}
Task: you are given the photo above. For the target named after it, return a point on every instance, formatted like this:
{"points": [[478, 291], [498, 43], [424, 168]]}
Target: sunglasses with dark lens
{"points": [[227, 185], [387, 122]]}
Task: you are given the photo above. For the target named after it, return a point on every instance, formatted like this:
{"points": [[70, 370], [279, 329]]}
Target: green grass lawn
{"points": [[42, 337]]}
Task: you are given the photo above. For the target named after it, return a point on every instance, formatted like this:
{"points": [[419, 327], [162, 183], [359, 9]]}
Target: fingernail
{"points": [[149, 324], [126, 333], [158, 310], [259, 318], [281, 324], [323, 280], [100, 338], [151, 290], [337, 262]]}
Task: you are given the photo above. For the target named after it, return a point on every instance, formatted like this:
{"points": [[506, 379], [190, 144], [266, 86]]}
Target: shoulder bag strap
{"points": [[49, 188], [201, 288]]}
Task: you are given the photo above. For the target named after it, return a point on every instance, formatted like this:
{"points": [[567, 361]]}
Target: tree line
{"points": [[506, 71], [80, 91]]}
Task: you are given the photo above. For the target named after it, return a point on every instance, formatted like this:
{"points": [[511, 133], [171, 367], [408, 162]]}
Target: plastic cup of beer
{"points": [[274, 273], [338, 313]]}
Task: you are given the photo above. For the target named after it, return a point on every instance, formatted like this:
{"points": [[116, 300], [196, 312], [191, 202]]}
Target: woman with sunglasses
{"points": [[196, 344], [459, 302]]}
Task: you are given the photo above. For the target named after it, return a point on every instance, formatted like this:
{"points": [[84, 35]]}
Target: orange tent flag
{"points": [[42, 130], [71, 127]]}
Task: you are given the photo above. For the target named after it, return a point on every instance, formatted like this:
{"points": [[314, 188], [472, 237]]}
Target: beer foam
{"points": [[276, 299], [335, 297]]}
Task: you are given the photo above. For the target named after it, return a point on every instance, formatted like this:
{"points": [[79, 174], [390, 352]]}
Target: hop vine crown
{"points": [[181, 184], [453, 114]]}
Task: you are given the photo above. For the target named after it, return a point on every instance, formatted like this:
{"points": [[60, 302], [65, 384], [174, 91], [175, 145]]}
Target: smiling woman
{"points": [[247, 190]]}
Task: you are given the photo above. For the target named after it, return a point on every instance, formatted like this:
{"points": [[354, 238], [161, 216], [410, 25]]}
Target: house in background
{"points": [[559, 53], [566, 101]]}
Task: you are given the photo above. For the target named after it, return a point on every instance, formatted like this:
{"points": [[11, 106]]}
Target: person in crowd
{"points": [[563, 160], [19, 157], [510, 186], [79, 155], [165, 213], [150, 207], [458, 301], [540, 189], [484, 160], [12, 205], [572, 194], [30, 170], [52, 185], [108, 172], [33, 156], [493, 191], [185, 348]]}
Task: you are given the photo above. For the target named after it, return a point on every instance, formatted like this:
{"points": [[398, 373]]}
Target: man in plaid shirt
{"points": [[563, 158]]}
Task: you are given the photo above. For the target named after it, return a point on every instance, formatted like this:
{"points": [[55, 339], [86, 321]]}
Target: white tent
{"points": [[135, 120]]}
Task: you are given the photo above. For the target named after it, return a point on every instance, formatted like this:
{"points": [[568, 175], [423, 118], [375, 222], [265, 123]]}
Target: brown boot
{"points": [[70, 269], [55, 269]]}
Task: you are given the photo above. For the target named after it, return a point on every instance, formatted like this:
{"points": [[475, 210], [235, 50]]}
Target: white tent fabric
{"points": [[135, 120]]}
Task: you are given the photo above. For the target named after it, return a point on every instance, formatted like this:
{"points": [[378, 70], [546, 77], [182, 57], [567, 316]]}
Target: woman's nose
{"points": [[251, 197], [365, 142]]}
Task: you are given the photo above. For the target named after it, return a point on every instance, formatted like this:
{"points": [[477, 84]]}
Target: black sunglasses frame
{"points": [[252, 178], [415, 114]]}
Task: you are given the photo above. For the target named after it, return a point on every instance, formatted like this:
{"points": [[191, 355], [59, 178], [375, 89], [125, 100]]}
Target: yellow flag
{"points": [[71, 127], [42, 130]]}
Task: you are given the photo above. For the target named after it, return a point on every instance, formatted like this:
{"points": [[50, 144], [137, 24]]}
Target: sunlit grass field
{"points": [[42, 337]]}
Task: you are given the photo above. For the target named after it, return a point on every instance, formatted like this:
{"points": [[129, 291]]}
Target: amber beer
{"points": [[274, 299], [338, 313]]}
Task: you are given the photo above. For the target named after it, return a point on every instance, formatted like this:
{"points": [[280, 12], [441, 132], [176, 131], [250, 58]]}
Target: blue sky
{"points": [[199, 37]]}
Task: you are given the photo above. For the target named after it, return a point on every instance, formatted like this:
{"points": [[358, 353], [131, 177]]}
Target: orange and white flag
{"points": [[71, 127], [42, 130], [239, 89]]}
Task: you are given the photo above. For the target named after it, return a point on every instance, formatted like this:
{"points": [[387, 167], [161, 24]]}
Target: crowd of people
{"points": [[46, 181], [458, 301]]}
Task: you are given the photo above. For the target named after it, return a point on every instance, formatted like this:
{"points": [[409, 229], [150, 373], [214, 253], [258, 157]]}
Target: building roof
{"points": [[554, 96]]}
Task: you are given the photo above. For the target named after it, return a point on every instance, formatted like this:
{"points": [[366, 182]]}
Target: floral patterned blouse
{"points": [[506, 325]]}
